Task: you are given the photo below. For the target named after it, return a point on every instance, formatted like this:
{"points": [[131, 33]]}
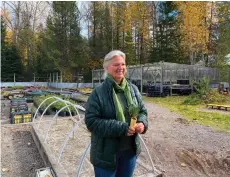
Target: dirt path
{"points": [[186, 149]]}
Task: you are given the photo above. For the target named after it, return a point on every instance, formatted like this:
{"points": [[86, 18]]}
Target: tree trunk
{"points": [[94, 25]]}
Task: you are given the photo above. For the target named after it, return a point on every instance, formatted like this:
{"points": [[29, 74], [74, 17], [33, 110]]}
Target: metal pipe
{"points": [[14, 79]]}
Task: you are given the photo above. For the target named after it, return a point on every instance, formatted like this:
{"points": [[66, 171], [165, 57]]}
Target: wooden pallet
{"points": [[217, 106]]}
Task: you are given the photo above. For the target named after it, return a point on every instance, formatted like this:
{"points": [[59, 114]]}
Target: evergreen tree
{"points": [[10, 59], [66, 48], [100, 40], [44, 63], [223, 47], [167, 47]]}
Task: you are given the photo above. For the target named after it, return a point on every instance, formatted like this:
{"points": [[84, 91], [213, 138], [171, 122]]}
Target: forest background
{"points": [[71, 38]]}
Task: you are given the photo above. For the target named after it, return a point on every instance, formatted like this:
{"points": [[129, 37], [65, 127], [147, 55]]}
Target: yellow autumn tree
{"points": [[94, 64], [140, 22], [194, 21], [126, 29], [6, 16]]}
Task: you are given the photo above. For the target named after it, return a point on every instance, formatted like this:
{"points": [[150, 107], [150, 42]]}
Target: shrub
{"points": [[213, 96], [38, 100], [33, 109], [202, 87], [49, 101], [59, 105], [56, 106], [193, 99]]}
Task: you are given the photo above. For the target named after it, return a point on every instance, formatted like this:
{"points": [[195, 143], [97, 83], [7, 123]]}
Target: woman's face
{"points": [[116, 68]]}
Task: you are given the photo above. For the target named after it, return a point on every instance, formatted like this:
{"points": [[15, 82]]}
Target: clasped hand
{"points": [[137, 128]]}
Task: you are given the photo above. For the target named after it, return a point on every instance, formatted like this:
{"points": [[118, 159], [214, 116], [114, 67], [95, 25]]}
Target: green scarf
{"points": [[123, 87]]}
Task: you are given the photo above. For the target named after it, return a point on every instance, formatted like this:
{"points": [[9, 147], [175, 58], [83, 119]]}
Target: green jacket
{"points": [[100, 119]]}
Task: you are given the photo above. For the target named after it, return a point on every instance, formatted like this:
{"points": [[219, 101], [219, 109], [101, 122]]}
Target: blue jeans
{"points": [[126, 161]]}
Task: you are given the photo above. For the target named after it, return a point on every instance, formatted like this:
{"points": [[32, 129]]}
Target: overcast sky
{"points": [[82, 5]]}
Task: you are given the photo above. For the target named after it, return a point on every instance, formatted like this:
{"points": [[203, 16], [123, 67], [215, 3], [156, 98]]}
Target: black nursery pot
{"points": [[62, 114]]}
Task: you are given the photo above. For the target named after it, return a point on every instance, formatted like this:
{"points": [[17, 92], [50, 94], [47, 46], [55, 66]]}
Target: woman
{"points": [[114, 144]]}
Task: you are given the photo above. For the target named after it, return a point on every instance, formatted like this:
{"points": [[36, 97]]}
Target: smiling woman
{"points": [[116, 66], [114, 142]]}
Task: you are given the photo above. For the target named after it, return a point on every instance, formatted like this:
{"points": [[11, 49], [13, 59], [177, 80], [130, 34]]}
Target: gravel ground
{"points": [[183, 148], [178, 147]]}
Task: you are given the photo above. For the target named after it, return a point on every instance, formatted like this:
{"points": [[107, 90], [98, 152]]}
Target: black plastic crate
{"points": [[16, 118], [21, 117]]}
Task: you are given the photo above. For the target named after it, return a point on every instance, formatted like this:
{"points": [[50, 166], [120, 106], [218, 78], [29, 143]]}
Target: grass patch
{"points": [[218, 121]]}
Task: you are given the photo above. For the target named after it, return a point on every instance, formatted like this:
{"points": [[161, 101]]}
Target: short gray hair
{"points": [[112, 54], [109, 56]]}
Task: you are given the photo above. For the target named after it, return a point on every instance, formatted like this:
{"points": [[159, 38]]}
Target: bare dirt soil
{"points": [[19, 154], [186, 149], [178, 147]]}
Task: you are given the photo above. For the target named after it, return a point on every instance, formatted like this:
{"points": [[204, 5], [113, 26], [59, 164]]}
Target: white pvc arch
{"points": [[57, 98], [67, 138], [154, 170], [67, 104]]}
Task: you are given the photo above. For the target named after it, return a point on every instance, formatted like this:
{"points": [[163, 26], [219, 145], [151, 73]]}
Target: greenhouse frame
{"points": [[163, 73]]}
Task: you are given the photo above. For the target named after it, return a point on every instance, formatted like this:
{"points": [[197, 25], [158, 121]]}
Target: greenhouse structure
{"points": [[163, 73]]}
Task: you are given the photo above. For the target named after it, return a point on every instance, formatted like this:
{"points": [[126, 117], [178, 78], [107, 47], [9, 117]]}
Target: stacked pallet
{"points": [[155, 91], [19, 112]]}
